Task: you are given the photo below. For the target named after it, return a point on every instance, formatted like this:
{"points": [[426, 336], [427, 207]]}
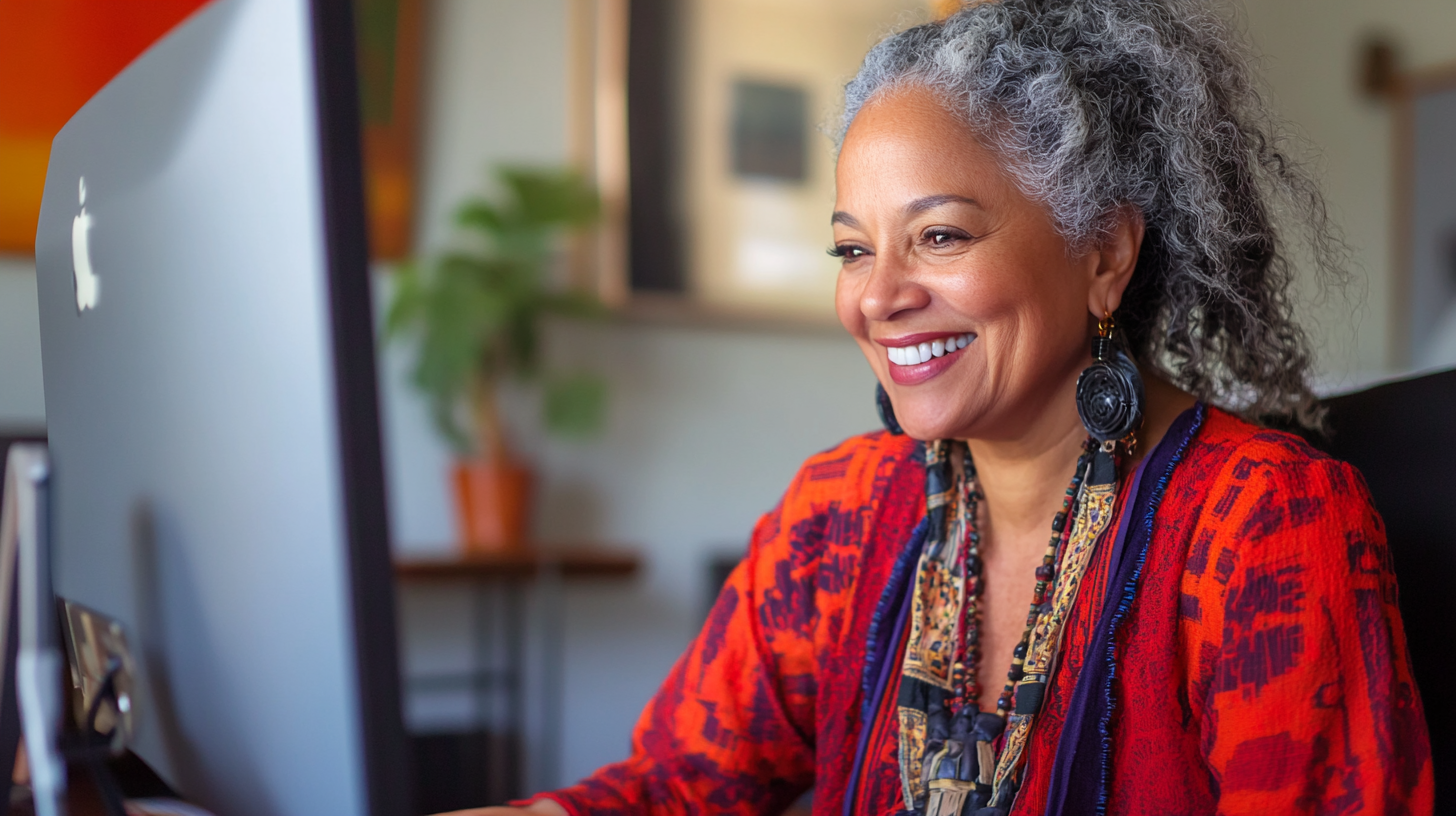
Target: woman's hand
{"points": [[541, 807]]}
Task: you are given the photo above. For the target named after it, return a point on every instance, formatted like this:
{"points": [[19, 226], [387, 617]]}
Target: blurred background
{"points": [[713, 361]]}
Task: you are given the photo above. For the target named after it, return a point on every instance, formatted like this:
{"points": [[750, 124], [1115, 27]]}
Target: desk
{"points": [[498, 581], [523, 564]]}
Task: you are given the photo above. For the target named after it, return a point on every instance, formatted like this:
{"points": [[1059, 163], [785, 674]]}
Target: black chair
{"points": [[1402, 437]]}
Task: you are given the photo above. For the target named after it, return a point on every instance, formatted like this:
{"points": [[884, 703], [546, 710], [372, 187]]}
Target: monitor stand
{"points": [[25, 594], [31, 698]]}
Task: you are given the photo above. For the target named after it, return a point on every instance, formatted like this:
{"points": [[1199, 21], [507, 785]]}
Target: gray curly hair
{"points": [[1097, 105]]}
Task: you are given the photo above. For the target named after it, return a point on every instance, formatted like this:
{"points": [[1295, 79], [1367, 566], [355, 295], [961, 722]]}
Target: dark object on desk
{"points": [[136, 778], [455, 771], [482, 765], [1402, 437], [522, 564]]}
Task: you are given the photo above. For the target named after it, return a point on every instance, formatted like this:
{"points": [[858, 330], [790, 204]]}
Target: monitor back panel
{"points": [[190, 409]]}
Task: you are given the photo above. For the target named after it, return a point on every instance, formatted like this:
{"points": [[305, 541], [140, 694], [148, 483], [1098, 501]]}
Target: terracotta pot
{"points": [[492, 504]]}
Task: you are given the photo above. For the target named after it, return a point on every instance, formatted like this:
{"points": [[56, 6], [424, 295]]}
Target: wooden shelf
{"points": [[570, 561]]}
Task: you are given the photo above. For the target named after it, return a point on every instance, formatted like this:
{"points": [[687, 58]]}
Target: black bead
{"points": [[1020, 651], [1044, 572]]}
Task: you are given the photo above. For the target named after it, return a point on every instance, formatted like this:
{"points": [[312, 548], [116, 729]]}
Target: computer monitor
{"points": [[207, 343]]}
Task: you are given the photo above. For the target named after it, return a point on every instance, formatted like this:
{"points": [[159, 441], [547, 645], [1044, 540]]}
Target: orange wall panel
{"points": [[54, 55]]}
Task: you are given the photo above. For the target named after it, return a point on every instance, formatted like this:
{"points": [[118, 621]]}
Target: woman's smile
{"points": [[915, 358], [934, 238]]}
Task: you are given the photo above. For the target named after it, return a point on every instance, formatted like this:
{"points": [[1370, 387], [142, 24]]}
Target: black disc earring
{"points": [[887, 411], [1110, 392]]}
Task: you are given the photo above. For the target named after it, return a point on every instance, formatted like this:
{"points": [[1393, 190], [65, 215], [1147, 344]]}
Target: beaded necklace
{"points": [[950, 765], [966, 674]]}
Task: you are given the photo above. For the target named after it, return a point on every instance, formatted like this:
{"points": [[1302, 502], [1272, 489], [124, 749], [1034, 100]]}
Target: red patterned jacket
{"points": [[1261, 667]]}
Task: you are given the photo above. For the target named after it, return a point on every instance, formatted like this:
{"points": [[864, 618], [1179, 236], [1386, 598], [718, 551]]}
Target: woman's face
{"points": [[958, 287]]}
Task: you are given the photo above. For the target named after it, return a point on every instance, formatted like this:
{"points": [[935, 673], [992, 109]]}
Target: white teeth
{"points": [[924, 352]]}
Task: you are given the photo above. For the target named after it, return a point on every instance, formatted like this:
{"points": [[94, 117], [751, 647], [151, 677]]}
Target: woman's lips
{"points": [[915, 359]]}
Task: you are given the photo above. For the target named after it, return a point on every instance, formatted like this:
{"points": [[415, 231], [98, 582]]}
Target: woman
{"points": [[1032, 195]]}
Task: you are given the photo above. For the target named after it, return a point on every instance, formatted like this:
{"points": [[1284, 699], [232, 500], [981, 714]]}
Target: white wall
{"points": [[1310, 50], [22, 397]]}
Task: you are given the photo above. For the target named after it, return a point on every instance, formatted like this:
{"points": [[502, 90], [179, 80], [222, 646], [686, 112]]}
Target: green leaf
{"points": [[481, 215], [474, 314], [407, 304], [575, 405], [523, 342], [551, 197]]}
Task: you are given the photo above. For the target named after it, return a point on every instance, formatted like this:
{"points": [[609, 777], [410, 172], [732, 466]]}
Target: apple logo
{"points": [[88, 286]]}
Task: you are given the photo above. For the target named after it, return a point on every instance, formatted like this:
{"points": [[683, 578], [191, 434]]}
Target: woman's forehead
{"points": [[906, 147]]}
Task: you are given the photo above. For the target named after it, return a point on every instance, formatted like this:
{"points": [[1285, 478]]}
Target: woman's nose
{"points": [[890, 289]]}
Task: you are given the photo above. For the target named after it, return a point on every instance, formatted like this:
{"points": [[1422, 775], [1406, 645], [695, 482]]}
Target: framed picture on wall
{"points": [[1425, 303], [712, 127]]}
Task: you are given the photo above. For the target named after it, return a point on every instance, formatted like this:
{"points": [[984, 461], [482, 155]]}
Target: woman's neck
{"points": [[1024, 480]]}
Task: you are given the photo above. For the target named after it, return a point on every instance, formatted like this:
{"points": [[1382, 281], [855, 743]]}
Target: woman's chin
{"points": [[928, 424]]}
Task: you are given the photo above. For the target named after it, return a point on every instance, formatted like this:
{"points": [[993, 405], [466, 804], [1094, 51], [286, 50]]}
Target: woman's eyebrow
{"points": [[915, 207], [920, 205]]}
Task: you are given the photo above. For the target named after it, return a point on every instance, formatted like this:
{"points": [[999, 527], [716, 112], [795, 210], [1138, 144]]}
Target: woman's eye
{"points": [[940, 237], [848, 252]]}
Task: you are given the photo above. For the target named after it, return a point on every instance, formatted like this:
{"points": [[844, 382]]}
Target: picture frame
{"points": [[715, 159]]}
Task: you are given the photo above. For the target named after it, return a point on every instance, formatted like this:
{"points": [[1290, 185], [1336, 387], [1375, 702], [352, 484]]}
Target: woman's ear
{"points": [[1115, 259]]}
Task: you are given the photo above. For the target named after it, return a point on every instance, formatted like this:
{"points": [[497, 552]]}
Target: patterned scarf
{"points": [[949, 763]]}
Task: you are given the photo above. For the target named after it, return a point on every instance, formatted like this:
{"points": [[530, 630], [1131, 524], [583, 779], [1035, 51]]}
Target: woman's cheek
{"points": [[846, 305]]}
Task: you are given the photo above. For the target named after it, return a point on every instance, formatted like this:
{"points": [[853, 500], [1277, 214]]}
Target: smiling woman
{"points": [[934, 248], [1065, 582]]}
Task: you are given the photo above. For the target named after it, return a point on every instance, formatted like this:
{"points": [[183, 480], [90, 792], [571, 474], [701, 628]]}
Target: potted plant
{"points": [[475, 314]]}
